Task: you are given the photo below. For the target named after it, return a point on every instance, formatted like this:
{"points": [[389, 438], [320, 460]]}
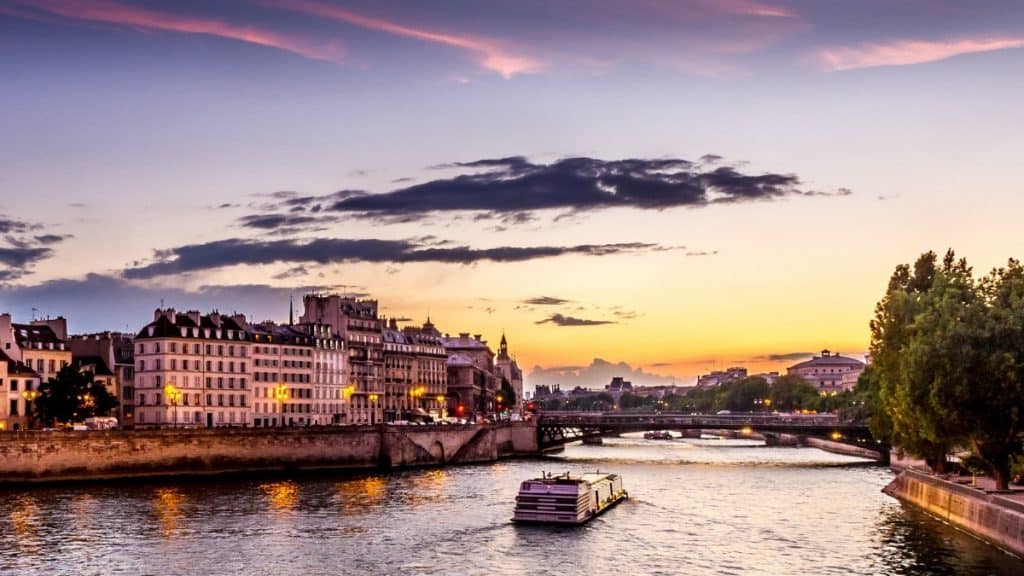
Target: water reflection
{"points": [[737, 511], [167, 506], [282, 496], [24, 522]]}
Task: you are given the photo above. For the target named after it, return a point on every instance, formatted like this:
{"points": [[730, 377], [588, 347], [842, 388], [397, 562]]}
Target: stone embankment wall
{"points": [[991, 517], [66, 456]]}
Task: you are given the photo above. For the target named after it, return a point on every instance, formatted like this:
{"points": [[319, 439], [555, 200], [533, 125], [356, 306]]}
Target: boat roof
{"points": [[567, 478]]}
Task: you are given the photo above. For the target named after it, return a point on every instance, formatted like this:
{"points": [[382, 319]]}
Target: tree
{"points": [[949, 361], [72, 396], [791, 392], [740, 395]]}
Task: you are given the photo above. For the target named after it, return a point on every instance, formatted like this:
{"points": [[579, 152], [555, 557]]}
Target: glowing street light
{"points": [[173, 396], [30, 397], [281, 394], [373, 402]]}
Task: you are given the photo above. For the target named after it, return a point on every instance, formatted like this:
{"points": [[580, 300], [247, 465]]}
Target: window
{"points": [[142, 399], [39, 364], [14, 385], [142, 365]]}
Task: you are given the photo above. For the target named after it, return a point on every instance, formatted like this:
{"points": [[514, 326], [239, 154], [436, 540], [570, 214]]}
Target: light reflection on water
{"points": [[695, 507]]}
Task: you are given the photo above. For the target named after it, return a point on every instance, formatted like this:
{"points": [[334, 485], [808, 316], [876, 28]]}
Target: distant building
{"points": [[509, 369], [619, 386], [204, 361], [472, 382], [17, 382], [282, 356], [41, 345], [110, 356], [830, 372], [719, 377], [415, 373], [356, 322]]}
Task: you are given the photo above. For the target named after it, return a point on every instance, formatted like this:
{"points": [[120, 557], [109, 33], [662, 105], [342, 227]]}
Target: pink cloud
{"points": [[751, 8], [488, 53], [907, 52], [114, 13]]}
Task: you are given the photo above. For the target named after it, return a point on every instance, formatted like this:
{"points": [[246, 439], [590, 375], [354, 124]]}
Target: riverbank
{"points": [[996, 517], [39, 457]]}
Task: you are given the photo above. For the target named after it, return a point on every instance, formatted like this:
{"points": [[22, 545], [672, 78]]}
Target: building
{"points": [[415, 373], [719, 377], [193, 370], [356, 323], [18, 389], [283, 375], [509, 370], [829, 373], [331, 394], [472, 380], [41, 345], [110, 356]]}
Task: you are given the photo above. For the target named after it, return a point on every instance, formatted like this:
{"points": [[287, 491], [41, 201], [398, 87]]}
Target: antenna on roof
{"points": [[34, 310]]}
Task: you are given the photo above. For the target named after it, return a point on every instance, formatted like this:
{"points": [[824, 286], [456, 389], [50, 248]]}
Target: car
{"points": [[724, 412]]}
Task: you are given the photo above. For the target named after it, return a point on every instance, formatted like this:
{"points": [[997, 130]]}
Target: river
{"points": [[695, 507]]}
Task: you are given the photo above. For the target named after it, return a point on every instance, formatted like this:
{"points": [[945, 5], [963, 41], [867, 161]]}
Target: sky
{"points": [[645, 188]]}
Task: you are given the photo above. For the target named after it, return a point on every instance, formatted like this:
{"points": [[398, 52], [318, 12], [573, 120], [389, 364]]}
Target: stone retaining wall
{"points": [[991, 517], [67, 456]]}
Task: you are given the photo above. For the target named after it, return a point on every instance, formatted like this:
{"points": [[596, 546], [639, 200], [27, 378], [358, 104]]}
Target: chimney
{"points": [[215, 318], [464, 335], [393, 324], [240, 320]]}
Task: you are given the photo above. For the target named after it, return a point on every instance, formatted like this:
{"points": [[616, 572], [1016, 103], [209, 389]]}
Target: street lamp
{"points": [[440, 405], [173, 396], [499, 398], [373, 402], [281, 394], [30, 397]]}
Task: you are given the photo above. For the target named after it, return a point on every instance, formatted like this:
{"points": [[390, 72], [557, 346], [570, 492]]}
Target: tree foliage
{"points": [[948, 355], [72, 396]]}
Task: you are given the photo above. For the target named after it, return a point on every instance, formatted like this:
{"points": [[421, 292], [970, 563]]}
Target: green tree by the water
{"points": [[72, 396], [948, 354]]}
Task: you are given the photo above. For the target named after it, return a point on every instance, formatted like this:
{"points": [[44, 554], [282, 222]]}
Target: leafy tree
{"points": [[949, 361], [72, 396], [628, 401], [791, 392], [740, 395]]}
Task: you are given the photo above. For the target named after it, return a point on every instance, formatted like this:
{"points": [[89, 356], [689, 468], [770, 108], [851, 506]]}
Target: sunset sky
{"points": [[673, 185]]}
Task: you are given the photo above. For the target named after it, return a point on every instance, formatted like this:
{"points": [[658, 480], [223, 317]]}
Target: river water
{"points": [[695, 507]]}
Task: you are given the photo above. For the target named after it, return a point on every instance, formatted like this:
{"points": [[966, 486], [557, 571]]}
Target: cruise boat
{"points": [[567, 499], [660, 435]]}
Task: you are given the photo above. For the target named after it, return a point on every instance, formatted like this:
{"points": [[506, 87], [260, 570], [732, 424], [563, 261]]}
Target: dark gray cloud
{"points": [[21, 248], [561, 320], [234, 251], [545, 301], [511, 190]]}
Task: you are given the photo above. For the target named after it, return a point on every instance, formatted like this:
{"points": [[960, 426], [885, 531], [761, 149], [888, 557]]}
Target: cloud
{"points": [[235, 251], [560, 320], [784, 357], [111, 12], [908, 52], [545, 301], [512, 188], [21, 249], [283, 223], [595, 376], [488, 53]]}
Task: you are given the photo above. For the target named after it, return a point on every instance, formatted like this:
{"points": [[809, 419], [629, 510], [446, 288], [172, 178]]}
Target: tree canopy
{"points": [[948, 353], [72, 396]]}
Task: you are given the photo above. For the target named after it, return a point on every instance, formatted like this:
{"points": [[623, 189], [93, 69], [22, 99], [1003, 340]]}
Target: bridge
{"points": [[555, 429]]}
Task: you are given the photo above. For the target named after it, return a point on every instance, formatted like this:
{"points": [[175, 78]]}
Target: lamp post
{"points": [[281, 394], [173, 396], [373, 402], [499, 399], [30, 397], [440, 405]]}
